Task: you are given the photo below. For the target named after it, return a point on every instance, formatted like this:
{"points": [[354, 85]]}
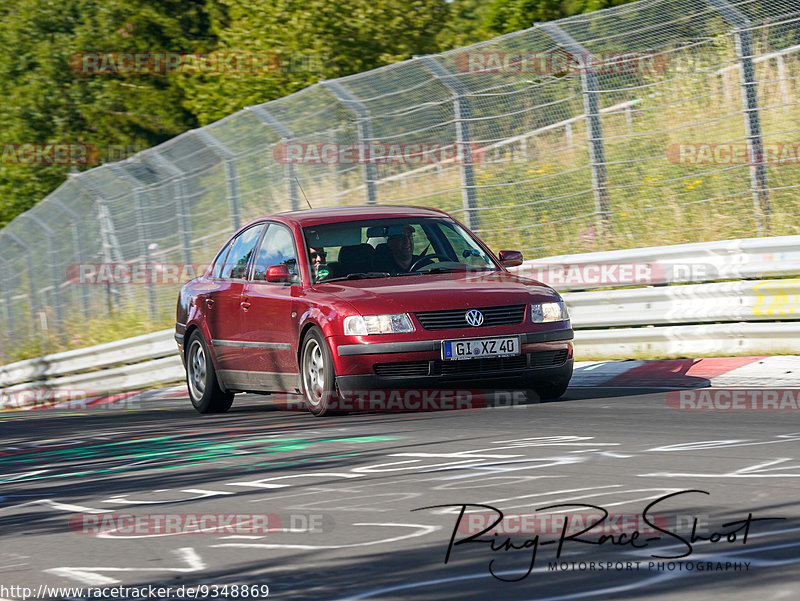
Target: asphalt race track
{"points": [[329, 509]]}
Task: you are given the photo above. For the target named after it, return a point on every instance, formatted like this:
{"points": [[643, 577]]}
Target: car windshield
{"points": [[383, 248]]}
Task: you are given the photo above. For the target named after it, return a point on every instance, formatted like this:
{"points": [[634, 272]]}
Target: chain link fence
{"points": [[655, 122]]}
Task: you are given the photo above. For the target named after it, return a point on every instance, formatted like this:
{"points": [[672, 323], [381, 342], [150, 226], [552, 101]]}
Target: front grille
{"points": [[548, 358], [492, 316], [438, 367], [479, 366], [400, 370]]}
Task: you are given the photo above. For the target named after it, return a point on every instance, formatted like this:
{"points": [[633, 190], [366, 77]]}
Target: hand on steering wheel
{"points": [[422, 261]]}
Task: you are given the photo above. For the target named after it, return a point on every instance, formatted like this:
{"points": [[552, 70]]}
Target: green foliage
{"points": [[314, 40], [473, 21], [464, 25], [505, 16], [47, 101]]}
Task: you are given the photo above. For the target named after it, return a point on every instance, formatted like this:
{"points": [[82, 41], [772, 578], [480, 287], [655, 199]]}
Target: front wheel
{"points": [[317, 374], [201, 379]]}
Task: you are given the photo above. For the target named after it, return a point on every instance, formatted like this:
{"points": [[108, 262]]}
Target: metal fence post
{"points": [[230, 172], [364, 135], [31, 272], [4, 280], [108, 237], [286, 135], [144, 246], [743, 41], [591, 104], [461, 111], [183, 210], [54, 271], [76, 242]]}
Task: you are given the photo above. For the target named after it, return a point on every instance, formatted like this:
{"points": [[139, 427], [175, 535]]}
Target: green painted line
{"points": [[210, 454]]}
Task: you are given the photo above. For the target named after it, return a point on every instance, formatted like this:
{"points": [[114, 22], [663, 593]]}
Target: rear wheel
{"points": [[317, 374], [201, 379]]}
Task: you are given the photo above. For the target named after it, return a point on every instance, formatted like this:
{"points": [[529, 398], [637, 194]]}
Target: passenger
{"points": [[319, 263]]}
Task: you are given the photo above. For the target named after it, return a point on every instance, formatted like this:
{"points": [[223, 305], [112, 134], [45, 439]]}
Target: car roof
{"points": [[311, 217]]}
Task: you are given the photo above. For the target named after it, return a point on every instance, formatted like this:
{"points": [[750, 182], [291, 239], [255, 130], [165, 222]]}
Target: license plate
{"points": [[455, 350]]}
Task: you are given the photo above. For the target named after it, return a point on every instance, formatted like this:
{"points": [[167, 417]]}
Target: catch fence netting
{"points": [[656, 122]]}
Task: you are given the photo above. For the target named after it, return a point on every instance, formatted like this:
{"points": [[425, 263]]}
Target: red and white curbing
{"points": [[782, 371]]}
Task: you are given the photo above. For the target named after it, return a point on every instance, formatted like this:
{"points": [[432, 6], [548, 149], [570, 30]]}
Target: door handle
{"points": [[209, 302], [245, 305]]}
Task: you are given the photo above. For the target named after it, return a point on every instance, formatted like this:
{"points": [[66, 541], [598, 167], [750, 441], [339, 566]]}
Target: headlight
{"points": [[546, 312], [362, 325]]}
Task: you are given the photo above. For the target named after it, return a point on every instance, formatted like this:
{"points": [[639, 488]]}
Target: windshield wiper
{"points": [[357, 276], [463, 268]]}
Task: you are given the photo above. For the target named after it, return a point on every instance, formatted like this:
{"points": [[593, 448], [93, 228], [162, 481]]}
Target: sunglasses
{"points": [[314, 255]]}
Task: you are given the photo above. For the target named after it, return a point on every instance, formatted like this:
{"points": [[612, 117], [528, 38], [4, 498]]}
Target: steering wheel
{"points": [[427, 259]]}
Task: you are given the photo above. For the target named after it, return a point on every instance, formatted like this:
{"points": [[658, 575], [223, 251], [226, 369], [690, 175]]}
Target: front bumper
{"points": [[422, 346], [510, 380], [546, 357]]}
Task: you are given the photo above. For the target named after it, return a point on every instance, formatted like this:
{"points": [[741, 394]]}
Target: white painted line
{"points": [[90, 576], [422, 530]]}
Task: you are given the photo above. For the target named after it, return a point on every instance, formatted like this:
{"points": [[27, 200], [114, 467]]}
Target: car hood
{"points": [[438, 292]]}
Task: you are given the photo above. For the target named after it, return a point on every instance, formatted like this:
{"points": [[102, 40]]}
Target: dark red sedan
{"points": [[336, 304]]}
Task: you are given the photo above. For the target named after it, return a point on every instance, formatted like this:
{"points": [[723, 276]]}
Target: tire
{"points": [[201, 379], [317, 375]]}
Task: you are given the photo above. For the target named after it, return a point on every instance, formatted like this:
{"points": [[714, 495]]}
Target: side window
{"points": [[220, 262], [277, 248], [242, 248]]}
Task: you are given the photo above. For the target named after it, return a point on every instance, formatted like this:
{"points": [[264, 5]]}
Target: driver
{"points": [[400, 257]]}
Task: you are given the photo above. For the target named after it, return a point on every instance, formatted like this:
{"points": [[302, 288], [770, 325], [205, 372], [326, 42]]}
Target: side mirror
{"points": [[511, 258], [278, 273]]}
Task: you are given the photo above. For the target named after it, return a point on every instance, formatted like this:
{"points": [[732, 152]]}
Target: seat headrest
{"points": [[355, 253]]}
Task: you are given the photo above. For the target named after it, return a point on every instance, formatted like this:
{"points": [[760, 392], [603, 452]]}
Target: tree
{"points": [[46, 100], [498, 17], [310, 40]]}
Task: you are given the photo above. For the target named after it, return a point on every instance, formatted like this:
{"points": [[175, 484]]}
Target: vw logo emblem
{"points": [[474, 317]]}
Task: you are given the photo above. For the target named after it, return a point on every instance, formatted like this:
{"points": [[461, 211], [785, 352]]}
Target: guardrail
{"points": [[745, 338], [652, 312], [119, 366], [744, 259], [761, 300]]}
